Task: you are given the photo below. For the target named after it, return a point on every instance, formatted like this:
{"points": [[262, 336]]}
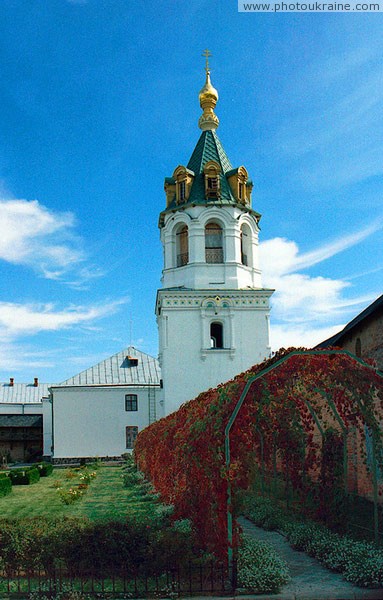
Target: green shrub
{"points": [[71, 495], [45, 469], [260, 569], [367, 570], [264, 514], [132, 477], [141, 544], [26, 476], [5, 485]]}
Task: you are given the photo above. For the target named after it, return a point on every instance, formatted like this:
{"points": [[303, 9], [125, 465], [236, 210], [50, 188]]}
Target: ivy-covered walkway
{"points": [[310, 581]]}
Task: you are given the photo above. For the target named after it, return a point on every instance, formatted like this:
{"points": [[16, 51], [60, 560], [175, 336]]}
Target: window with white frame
{"points": [[216, 335]]}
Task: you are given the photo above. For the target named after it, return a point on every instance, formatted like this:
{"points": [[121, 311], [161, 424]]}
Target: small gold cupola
{"points": [[208, 98]]}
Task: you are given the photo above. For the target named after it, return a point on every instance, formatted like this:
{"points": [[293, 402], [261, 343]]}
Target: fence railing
{"points": [[207, 578]]}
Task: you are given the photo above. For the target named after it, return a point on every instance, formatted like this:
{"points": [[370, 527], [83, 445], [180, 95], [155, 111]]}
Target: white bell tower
{"points": [[212, 312]]}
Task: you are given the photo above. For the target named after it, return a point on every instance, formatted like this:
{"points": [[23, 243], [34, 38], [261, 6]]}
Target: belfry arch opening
{"points": [[213, 243], [182, 246]]}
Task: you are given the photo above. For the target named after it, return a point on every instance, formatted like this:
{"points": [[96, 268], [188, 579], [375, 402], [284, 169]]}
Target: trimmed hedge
{"points": [[5, 485], [45, 469], [26, 476], [102, 547]]}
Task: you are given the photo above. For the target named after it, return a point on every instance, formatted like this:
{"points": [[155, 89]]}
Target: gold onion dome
{"points": [[208, 98]]}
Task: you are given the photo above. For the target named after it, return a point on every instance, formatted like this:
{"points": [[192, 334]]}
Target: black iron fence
{"points": [[207, 578]]}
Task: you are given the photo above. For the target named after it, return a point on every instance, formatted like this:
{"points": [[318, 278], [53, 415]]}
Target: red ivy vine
{"points": [[184, 454]]}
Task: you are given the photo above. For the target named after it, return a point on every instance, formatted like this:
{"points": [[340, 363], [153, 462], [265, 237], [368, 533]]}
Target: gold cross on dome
{"points": [[206, 53]]}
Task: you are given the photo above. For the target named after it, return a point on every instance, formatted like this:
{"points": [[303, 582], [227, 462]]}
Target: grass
{"points": [[106, 498]]}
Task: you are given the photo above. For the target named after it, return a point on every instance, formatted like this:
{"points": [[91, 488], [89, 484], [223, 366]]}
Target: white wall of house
{"points": [[10, 408], [91, 421]]}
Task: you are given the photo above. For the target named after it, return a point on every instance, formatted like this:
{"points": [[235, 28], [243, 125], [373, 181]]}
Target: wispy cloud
{"points": [[333, 123], [303, 305], [281, 256], [14, 357], [17, 320]]}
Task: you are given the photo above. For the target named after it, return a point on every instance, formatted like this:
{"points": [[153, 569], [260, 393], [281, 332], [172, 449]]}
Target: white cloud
{"points": [[291, 335], [14, 357], [281, 256], [18, 320], [304, 305], [39, 238], [339, 245]]}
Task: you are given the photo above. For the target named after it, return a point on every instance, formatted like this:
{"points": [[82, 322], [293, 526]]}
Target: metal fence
{"points": [[208, 578]]}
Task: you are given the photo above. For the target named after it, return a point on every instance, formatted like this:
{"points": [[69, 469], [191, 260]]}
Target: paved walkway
{"points": [[309, 580]]}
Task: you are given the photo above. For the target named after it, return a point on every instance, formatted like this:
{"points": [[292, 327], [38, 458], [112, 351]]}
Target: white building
{"points": [[212, 311], [99, 412]]}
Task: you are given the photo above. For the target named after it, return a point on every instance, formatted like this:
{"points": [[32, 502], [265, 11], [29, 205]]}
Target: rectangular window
{"points": [[212, 183], [212, 187], [131, 435], [131, 402], [182, 191]]}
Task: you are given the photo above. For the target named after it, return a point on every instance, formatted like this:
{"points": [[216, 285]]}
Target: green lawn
{"points": [[106, 498]]}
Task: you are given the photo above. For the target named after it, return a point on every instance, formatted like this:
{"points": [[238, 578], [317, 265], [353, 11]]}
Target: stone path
{"points": [[309, 580]]}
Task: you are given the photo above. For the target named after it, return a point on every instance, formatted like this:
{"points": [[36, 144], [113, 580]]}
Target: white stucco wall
{"points": [[9, 408], [91, 421], [189, 365]]}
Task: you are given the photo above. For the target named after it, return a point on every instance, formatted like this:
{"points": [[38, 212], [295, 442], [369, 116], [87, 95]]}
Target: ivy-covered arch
{"points": [[201, 455]]}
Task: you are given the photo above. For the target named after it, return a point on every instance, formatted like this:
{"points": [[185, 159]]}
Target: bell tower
{"points": [[212, 312]]}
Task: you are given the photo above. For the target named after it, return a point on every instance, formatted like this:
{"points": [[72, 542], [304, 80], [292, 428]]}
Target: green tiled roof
{"points": [[208, 148]]}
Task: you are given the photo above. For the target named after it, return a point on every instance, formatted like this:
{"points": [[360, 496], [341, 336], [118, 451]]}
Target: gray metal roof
{"points": [[23, 393], [119, 370]]}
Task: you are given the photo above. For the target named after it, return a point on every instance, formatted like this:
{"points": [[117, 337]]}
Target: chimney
{"points": [[11, 381], [36, 382]]}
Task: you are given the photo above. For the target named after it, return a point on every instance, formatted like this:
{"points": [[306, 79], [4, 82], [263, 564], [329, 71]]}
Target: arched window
{"points": [[213, 243], [216, 335], [358, 347], [246, 245], [182, 246]]}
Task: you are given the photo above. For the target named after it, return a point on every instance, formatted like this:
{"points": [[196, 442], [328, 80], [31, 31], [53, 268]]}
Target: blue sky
{"points": [[99, 102]]}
